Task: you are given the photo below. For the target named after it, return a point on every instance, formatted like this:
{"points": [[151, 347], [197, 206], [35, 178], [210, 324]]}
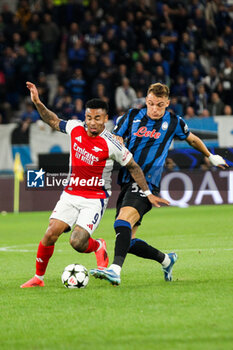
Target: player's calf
{"points": [[53, 232], [82, 242], [45, 251], [79, 239]]}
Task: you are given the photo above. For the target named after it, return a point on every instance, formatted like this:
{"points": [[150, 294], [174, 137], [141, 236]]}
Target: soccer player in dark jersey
{"points": [[148, 133]]}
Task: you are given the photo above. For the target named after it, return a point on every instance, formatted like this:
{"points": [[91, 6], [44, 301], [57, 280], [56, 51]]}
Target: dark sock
{"points": [[144, 250], [123, 237]]}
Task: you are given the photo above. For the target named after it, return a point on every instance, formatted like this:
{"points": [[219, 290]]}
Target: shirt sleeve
{"points": [[182, 129], [67, 126], [122, 125], [122, 156], [117, 151], [62, 126]]}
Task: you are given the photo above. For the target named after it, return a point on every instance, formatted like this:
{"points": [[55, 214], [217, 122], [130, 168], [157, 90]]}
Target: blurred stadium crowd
{"points": [[76, 50]]}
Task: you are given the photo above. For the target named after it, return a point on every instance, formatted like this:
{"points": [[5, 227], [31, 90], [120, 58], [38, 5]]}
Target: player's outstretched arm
{"points": [[137, 174], [197, 143], [46, 115]]}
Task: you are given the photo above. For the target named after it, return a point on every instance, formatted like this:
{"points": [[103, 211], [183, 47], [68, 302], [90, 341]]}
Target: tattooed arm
{"points": [[138, 175], [46, 115]]}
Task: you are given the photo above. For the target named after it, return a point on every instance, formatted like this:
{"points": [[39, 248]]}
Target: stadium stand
{"points": [[76, 50], [186, 44]]}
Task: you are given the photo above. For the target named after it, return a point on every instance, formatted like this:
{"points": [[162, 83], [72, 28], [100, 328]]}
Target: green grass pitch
{"points": [[195, 311]]}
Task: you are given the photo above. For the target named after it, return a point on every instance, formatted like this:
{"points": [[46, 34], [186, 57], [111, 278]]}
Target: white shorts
{"points": [[76, 210]]}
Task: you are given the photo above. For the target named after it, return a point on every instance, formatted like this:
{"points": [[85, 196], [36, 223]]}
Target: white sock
{"points": [[115, 268], [40, 277], [166, 261]]}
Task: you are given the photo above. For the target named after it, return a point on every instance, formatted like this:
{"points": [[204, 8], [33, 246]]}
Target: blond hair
{"points": [[159, 90]]}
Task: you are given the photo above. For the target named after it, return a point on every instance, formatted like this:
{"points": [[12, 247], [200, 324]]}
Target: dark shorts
{"points": [[132, 196]]}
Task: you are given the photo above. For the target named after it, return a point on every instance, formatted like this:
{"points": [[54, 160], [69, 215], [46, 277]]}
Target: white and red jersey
{"points": [[91, 160]]}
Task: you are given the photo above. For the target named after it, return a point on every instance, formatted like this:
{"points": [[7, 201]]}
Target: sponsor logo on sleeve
{"points": [[165, 125]]}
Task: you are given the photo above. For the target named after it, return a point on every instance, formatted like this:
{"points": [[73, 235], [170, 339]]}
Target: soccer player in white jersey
{"points": [[83, 201]]}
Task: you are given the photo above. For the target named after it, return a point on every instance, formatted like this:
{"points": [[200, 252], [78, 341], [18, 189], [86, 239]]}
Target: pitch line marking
{"points": [[15, 248]]}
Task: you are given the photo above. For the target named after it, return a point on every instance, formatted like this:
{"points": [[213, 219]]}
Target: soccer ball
{"points": [[75, 276]]}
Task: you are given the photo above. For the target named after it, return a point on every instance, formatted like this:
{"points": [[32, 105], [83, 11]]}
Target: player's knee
{"points": [[50, 236], [52, 233], [79, 240], [129, 214]]}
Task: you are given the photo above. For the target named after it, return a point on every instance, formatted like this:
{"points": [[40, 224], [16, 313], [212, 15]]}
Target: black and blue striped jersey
{"points": [[149, 141]]}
